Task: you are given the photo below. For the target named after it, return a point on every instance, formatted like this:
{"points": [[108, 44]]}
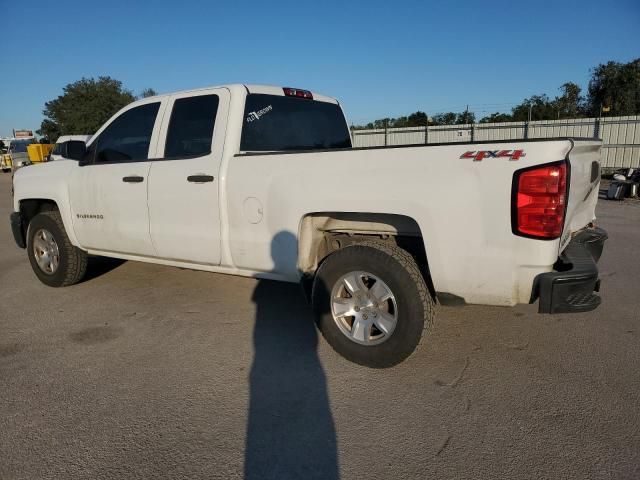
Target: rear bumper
{"points": [[573, 285], [17, 228]]}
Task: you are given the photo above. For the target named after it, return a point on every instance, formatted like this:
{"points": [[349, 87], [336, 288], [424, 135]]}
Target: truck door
{"points": [[184, 210], [108, 190]]}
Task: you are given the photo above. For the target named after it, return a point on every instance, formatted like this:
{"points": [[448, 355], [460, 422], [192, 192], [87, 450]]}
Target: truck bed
{"points": [[462, 206]]}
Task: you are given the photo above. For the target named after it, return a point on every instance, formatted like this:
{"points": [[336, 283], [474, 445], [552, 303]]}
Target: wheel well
{"points": [[325, 232], [31, 207]]}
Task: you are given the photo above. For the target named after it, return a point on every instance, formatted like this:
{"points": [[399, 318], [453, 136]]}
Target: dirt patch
{"points": [[10, 349], [95, 335]]}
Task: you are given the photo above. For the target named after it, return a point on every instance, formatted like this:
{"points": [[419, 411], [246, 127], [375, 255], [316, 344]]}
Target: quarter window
{"points": [[127, 138], [191, 126]]}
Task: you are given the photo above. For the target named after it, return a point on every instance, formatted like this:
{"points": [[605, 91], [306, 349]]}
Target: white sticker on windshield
{"points": [[256, 115]]}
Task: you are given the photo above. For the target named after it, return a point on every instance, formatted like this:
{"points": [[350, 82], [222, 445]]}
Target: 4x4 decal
{"points": [[481, 154]]}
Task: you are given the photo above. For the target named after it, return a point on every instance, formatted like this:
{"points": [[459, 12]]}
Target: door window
{"points": [[127, 138], [191, 127]]}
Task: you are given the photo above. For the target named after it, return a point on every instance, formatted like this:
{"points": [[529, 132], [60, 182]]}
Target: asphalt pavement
{"points": [[144, 371]]}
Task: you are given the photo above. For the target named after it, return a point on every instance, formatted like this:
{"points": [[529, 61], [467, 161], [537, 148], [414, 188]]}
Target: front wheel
{"points": [[55, 261], [372, 303]]}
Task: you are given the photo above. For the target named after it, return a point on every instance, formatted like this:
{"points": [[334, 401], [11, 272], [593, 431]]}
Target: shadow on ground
{"points": [[98, 266], [290, 431]]}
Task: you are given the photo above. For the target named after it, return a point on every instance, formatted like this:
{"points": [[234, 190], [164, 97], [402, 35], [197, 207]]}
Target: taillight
{"points": [[296, 92], [539, 201]]}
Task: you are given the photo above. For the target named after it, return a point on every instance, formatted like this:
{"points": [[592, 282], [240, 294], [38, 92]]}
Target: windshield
{"points": [[276, 123]]}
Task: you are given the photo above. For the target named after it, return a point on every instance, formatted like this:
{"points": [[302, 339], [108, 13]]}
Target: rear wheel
{"points": [[54, 260], [372, 303]]}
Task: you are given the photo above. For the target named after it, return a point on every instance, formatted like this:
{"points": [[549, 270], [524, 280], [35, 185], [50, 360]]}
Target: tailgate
{"points": [[584, 182]]}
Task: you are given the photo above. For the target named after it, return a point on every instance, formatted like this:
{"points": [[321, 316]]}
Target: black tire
{"points": [[398, 269], [72, 264]]}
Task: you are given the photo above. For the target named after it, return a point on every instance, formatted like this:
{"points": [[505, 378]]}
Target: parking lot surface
{"points": [[147, 371]]}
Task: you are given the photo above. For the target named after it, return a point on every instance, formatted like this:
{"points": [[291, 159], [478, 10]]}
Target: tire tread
{"points": [[77, 259], [393, 254], [409, 263]]}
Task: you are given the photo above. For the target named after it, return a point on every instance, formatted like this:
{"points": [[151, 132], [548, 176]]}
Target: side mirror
{"points": [[76, 149]]}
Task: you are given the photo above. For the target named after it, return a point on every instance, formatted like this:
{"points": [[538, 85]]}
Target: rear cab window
{"points": [[274, 123]]}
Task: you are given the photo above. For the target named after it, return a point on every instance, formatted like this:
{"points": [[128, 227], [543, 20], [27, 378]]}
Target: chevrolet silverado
{"points": [[264, 182]]}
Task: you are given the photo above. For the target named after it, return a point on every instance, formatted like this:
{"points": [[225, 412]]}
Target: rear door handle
{"points": [[133, 179], [200, 178]]}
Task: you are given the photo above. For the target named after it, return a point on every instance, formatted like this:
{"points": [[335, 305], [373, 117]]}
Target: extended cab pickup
{"points": [[263, 182]]}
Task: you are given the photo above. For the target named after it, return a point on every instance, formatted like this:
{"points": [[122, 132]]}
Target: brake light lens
{"points": [[539, 201], [296, 92]]}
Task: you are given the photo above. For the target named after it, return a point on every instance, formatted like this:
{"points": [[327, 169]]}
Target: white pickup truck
{"points": [[263, 182]]}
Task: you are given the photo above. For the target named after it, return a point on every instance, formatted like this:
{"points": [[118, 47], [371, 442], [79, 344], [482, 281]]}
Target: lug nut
{"points": [[364, 316]]}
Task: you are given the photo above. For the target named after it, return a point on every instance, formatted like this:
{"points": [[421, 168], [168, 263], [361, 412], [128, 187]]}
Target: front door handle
{"points": [[200, 178], [133, 179]]}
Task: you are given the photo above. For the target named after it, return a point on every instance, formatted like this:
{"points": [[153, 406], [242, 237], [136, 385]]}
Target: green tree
{"points": [[83, 107], [497, 117], [465, 118], [447, 118], [617, 86], [49, 129], [614, 85], [147, 92], [542, 108], [571, 103], [417, 119], [400, 122], [382, 123]]}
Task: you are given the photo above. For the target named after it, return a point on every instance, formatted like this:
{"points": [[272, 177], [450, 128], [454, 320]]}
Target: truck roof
{"points": [[249, 88], [66, 138]]}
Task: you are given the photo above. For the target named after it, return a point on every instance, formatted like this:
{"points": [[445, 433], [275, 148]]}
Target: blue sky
{"points": [[380, 58]]}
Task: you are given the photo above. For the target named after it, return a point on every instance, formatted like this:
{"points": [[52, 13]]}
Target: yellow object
{"points": [[5, 161], [38, 152], [606, 109]]}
